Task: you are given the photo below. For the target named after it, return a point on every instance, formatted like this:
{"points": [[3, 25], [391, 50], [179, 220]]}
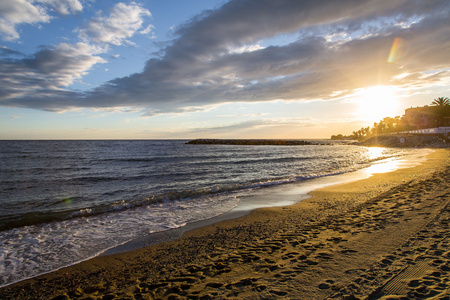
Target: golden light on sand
{"points": [[376, 103]]}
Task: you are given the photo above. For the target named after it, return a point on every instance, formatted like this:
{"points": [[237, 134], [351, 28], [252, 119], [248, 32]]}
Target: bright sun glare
{"points": [[376, 103]]}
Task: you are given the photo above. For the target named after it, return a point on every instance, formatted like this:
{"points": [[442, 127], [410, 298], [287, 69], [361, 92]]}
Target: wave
{"points": [[37, 217], [133, 159], [173, 180]]}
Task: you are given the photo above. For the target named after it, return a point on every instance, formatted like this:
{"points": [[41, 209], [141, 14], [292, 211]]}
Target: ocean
{"points": [[62, 202]]}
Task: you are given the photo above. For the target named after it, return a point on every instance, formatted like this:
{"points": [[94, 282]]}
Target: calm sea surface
{"points": [[62, 202]]}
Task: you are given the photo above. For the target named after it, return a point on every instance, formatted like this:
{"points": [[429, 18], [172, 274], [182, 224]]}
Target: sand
{"points": [[385, 237]]}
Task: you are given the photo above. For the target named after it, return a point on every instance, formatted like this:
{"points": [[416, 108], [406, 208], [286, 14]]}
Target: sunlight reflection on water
{"points": [[374, 152], [384, 167]]}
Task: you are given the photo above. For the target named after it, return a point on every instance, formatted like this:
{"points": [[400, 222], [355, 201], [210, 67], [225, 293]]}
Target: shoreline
{"points": [[291, 193], [220, 260]]}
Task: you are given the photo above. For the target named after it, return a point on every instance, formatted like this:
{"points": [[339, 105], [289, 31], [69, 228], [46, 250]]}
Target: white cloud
{"points": [[122, 23], [8, 31], [247, 48], [64, 7], [47, 72], [258, 123], [14, 12], [66, 62], [242, 115], [147, 30]]}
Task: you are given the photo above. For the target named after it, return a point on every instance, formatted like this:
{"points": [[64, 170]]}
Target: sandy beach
{"points": [[385, 237]]}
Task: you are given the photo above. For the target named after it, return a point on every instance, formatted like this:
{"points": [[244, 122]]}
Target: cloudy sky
{"points": [[151, 69]]}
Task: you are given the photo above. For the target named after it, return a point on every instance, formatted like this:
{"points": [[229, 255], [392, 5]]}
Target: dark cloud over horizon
{"points": [[219, 56]]}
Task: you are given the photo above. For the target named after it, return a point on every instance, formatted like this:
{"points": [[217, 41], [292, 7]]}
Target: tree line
{"points": [[398, 124]]}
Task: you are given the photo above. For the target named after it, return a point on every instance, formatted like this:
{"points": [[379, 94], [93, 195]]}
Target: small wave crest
{"points": [[58, 210], [34, 218]]}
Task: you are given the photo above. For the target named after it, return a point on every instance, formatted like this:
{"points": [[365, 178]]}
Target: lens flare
{"points": [[397, 50], [68, 201]]}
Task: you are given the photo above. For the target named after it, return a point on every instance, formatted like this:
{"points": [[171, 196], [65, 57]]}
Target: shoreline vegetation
{"points": [[436, 115], [384, 236], [408, 141]]}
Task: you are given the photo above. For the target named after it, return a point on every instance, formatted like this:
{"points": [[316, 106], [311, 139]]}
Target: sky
{"points": [[184, 69]]}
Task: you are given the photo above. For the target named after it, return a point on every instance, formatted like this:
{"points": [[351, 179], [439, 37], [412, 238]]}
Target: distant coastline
{"points": [[389, 140], [252, 142]]}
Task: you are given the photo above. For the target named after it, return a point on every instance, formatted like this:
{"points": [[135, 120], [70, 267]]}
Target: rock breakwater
{"points": [[250, 142]]}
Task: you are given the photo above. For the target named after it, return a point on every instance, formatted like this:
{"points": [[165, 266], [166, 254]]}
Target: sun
{"points": [[376, 103]]}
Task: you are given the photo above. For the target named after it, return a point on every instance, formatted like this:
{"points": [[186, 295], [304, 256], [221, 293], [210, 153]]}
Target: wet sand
{"points": [[385, 237]]}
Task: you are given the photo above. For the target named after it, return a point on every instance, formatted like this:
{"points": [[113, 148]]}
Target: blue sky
{"points": [[98, 69]]}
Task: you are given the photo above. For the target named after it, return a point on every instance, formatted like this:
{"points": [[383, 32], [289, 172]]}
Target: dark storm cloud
{"points": [[203, 64]]}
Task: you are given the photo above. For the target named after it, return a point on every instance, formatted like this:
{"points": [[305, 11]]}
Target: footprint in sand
{"points": [[214, 285], [242, 283], [289, 255], [348, 251], [326, 285], [324, 255]]}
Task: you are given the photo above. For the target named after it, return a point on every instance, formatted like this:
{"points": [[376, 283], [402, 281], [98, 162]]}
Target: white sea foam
{"points": [[31, 250]]}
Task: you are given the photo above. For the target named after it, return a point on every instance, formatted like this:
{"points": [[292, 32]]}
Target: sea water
{"points": [[62, 202]]}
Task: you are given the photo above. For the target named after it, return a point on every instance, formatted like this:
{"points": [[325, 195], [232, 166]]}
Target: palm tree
{"points": [[366, 131], [441, 101], [442, 109]]}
